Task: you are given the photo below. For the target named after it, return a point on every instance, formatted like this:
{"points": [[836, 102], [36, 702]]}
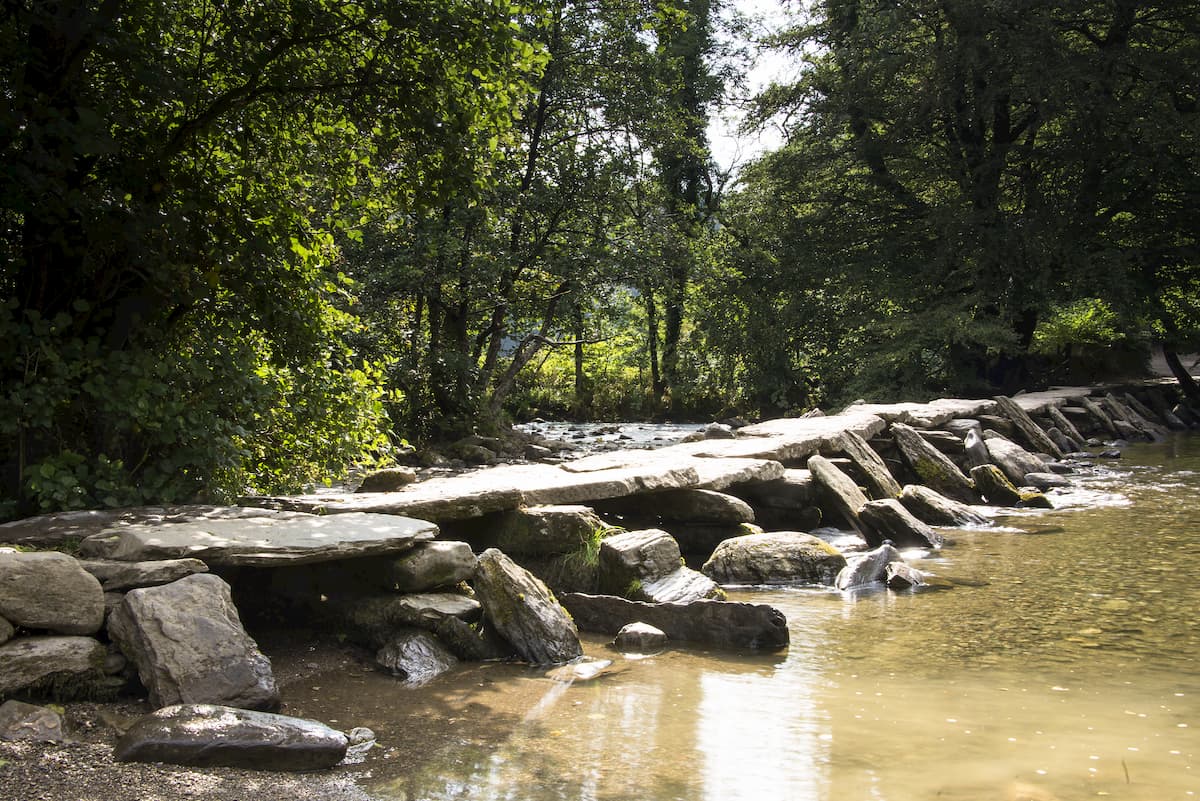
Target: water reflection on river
{"points": [[1068, 664]]}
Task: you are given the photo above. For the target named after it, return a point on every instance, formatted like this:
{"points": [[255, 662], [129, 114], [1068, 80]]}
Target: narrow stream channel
{"points": [[1065, 665]]}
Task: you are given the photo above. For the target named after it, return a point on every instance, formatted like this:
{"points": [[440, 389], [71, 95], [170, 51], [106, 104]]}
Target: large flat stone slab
{"points": [[933, 414], [261, 541]]}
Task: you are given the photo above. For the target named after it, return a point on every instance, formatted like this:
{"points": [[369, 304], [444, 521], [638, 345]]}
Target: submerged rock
{"points": [[524, 611], [207, 735], [415, 656], [778, 557], [868, 568], [640, 638], [902, 576], [720, 623]]}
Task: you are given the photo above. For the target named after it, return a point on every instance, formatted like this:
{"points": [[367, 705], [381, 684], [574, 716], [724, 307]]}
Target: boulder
{"points": [[1011, 458], [48, 662], [769, 519], [879, 480], [838, 489], [724, 624], [867, 569], [264, 541], [1064, 443], [121, 576], [960, 426], [21, 721], [544, 530], [1045, 481], [995, 486], [779, 557], [701, 539], [795, 491], [207, 735], [389, 479], [902, 576], [415, 656], [188, 644], [1031, 431], [640, 638], [647, 565], [686, 505], [1101, 416], [524, 611], [373, 619], [49, 590], [6, 631], [718, 431], [475, 642], [946, 442], [975, 451], [887, 519], [938, 510], [1064, 425], [932, 467], [430, 565], [998, 423]]}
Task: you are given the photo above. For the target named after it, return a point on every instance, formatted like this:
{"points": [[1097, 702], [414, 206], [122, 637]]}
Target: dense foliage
{"points": [[244, 245]]}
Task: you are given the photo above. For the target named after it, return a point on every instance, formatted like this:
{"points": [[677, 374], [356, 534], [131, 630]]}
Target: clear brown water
{"points": [[1066, 665]]}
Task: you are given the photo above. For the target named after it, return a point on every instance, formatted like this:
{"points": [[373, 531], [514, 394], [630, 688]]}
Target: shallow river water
{"points": [[1065, 664]]}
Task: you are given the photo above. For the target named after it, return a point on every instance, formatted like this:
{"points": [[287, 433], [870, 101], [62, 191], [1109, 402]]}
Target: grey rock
{"points": [[1111, 453], [119, 576], [724, 624], [474, 642], [583, 669], [945, 441], [902, 576], [685, 505], [262, 541], [373, 619], [21, 721], [6, 631], [681, 585], [975, 450], [879, 480], [702, 538], [1011, 458], [640, 638], [867, 569], [188, 644], [718, 431], [1031, 431], [1064, 425], [524, 611], [49, 590], [207, 735], [389, 479], [960, 426], [41, 661], [932, 467], [1045, 481], [938, 510], [838, 489], [415, 656], [430, 565], [544, 530], [887, 519], [998, 423], [778, 557], [636, 556], [1064, 443], [995, 486], [1100, 415], [795, 490]]}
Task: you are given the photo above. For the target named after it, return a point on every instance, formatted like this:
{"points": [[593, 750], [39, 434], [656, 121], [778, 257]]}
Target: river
{"points": [[1065, 664]]}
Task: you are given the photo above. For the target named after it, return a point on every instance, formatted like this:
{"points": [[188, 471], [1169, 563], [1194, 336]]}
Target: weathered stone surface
{"points": [[544, 530], [791, 439], [373, 619], [1100, 415], [119, 576], [932, 467], [1147, 424], [415, 656], [640, 638], [1065, 426], [6, 631], [720, 623], [38, 661], [647, 566], [995, 486], [946, 442], [794, 490], [188, 644], [49, 590], [879, 480], [960, 426], [21, 721], [933, 414], [262, 541], [684, 505], [1045, 481], [935, 509], [474, 643], [700, 539], [975, 451], [1031, 431], [887, 519], [902, 576], [718, 431], [524, 611], [867, 569], [1064, 443], [1011, 458], [771, 519], [778, 557], [389, 479], [998, 423], [430, 565], [208, 735], [838, 489]]}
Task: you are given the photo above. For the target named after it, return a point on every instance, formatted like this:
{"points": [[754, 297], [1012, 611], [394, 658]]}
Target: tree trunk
{"points": [[1188, 384]]}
